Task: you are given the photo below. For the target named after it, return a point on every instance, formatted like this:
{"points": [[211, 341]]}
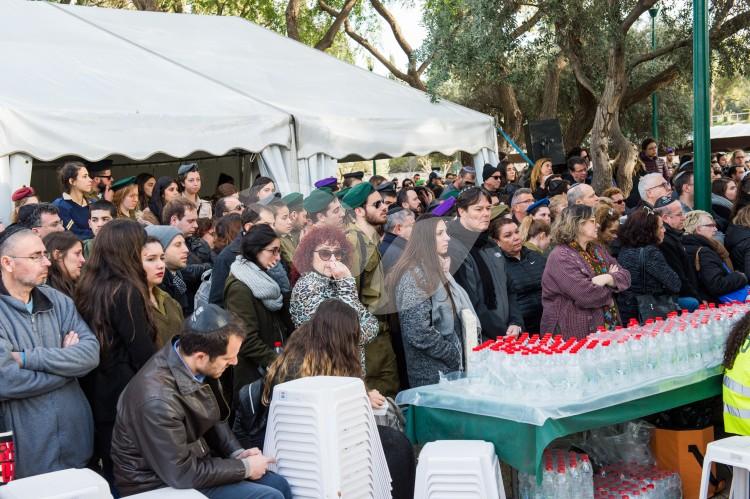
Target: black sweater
{"points": [[675, 255], [660, 279]]}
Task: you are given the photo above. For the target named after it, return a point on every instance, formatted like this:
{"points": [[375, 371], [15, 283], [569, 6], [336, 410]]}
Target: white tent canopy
{"points": [[94, 82]]}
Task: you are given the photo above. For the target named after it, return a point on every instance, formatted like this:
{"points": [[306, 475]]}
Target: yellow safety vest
{"points": [[736, 393]]}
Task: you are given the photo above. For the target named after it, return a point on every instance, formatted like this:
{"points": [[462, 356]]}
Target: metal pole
{"points": [[701, 106], [654, 96]]}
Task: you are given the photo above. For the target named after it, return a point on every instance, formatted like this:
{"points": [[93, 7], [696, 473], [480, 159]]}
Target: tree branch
{"points": [[395, 28], [641, 7], [660, 80], [719, 33], [330, 35], [529, 23]]}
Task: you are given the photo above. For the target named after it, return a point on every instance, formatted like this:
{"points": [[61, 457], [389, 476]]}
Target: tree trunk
{"points": [[507, 101], [552, 87], [606, 119], [583, 118], [292, 15], [625, 161], [148, 5]]}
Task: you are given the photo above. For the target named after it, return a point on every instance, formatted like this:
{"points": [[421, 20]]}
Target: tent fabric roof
{"points": [[69, 88], [144, 82]]}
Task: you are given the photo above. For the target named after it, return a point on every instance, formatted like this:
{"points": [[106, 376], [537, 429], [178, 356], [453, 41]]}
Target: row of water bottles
{"points": [[547, 367], [634, 481], [565, 475]]}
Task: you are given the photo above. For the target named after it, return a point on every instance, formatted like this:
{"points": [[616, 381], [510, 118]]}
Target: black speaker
{"points": [[544, 140]]}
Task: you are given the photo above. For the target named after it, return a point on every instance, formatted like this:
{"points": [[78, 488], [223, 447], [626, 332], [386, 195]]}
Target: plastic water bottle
{"points": [[277, 348], [587, 478]]}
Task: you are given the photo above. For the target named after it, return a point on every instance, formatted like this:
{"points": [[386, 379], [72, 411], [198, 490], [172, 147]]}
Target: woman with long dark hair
{"points": [[165, 190], [66, 261], [328, 345], [146, 183], [262, 188], [256, 298], [112, 297], [429, 303]]}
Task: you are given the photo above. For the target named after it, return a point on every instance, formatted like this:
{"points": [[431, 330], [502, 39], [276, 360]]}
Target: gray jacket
{"points": [[431, 340], [42, 402]]}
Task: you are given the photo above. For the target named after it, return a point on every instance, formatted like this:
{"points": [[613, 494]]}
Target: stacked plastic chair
{"points": [[458, 469], [323, 434], [64, 484]]}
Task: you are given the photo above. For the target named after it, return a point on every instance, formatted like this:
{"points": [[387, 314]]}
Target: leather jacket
{"points": [[172, 430]]}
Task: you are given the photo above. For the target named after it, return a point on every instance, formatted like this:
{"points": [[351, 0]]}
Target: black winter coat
{"points": [[675, 255], [737, 242], [659, 280], [525, 280], [714, 278]]}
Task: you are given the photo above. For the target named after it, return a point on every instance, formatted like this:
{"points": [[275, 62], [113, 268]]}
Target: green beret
{"points": [[123, 182], [340, 194], [317, 201], [357, 195], [293, 200]]}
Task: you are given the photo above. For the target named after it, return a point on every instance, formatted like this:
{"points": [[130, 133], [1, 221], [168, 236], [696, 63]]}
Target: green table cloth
{"points": [[521, 445]]}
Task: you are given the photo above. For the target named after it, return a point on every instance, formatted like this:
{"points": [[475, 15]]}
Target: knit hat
{"points": [[489, 171], [164, 233]]}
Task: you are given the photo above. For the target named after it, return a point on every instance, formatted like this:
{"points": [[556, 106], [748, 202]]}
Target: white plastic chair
{"points": [[64, 484], [169, 493], [458, 469], [734, 452]]}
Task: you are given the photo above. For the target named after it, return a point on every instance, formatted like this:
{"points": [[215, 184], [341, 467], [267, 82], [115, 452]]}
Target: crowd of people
{"points": [[144, 328]]}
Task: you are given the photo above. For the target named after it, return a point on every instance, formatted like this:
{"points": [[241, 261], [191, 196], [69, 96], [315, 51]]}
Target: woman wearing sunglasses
{"points": [[323, 258], [256, 298]]}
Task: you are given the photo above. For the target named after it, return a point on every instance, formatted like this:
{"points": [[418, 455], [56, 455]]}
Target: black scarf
{"points": [[475, 242]]}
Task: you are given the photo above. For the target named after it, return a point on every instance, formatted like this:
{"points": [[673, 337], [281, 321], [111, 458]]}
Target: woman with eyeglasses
{"points": [[716, 274], [580, 279], [640, 237], [323, 259], [257, 299]]}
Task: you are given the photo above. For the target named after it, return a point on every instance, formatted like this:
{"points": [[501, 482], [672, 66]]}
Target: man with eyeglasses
{"points": [[578, 171], [618, 199], [367, 212], [44, 347], [670, 210], [651, 187], [521, 200], [101, 176], [42, 218], [738, 158], [228, 205]]}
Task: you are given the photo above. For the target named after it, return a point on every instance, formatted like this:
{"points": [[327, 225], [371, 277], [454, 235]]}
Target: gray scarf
{"points": [[261, 285]]}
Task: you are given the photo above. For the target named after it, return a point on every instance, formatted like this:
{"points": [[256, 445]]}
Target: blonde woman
{"points": [[716, 274], [125, 198], [557, 204], [542, 169]]}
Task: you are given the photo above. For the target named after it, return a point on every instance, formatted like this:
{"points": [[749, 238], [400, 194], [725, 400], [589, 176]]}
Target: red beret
{"points": [[22, 192]]}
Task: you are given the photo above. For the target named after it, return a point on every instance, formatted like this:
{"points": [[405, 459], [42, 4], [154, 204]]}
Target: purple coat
{"points": [[573, 305]]}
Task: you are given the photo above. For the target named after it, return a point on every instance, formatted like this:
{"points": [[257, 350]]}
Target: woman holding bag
{"points": [[654, 285], [429, 304]]}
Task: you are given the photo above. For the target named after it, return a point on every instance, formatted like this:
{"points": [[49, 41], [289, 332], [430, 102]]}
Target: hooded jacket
{"points": [[42, 403]]}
